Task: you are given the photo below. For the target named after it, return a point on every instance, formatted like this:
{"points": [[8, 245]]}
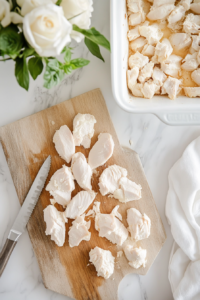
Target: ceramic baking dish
{"points": [[182, 111]]}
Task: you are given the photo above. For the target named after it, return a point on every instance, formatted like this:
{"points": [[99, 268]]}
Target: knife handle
{"points": [[6, 253]]}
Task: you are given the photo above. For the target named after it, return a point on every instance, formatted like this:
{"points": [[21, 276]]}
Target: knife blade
{"points": [[24, 214]]}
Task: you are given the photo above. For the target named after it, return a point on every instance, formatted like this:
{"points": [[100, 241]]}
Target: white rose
{"points": [[6, 16], [28, 5], [46, 30], [78, 12]]}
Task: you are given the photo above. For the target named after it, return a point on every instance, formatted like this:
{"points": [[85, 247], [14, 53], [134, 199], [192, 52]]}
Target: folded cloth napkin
{"points": [[183, 214]]}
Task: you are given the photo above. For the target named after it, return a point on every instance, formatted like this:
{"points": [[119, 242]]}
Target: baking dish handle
{"points": [[180, 118]]}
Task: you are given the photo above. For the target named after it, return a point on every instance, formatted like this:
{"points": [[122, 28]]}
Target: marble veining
{"points": [[158, 145]]}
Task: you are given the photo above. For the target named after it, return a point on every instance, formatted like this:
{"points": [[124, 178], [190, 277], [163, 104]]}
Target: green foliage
{"points": [[58, 2], [53, 73], [35, 66], [11, 41], [94, 48], [21, 73]]}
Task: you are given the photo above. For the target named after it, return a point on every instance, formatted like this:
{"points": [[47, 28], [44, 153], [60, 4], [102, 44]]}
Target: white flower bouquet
{"points": [[34, 32]]}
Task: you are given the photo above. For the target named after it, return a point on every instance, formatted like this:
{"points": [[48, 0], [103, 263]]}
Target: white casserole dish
{"points": [[182, 111]]}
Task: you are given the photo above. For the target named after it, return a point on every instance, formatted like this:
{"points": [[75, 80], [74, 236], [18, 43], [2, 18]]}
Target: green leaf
{"points": [[94, 35], [11, 41], [58, 2], [54, 73], [28, 52], [94, 49], [68, 55], [67, 69], [35, 66], [78, 63], [21, 73]]}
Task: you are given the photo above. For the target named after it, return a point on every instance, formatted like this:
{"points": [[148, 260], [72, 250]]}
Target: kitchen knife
{"points": [[24, 213]]}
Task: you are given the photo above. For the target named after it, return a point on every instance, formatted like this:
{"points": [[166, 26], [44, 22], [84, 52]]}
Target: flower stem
{"points": [[5, 59]]}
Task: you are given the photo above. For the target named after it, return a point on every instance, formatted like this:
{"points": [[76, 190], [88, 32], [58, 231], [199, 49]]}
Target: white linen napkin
{"points": [[183, 214]]}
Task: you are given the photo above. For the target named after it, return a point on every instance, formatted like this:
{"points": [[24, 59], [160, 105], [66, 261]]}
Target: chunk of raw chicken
{"points": [[64, 143], [79, 231], [180, 41], [192, 24], [134, 5], [139, 225], [190, 62], [137, 90], [135, 256], [146, 72], [159, 76], [152, 33], [137, 18], [176, 15], [110, 227], [128, 190], [172, 65], [192, 92], [162, 51], [171, 87], [81, 171], [162, 2], [83, 129], [79, 204], [160, 12], [55, 224], [149, 89], [138, 44], [185, 4], [133, 33], [103, 262], [148, 50], [196, 42], [108, 181], [196, 76], [61, 185], [132, 76], [101, 151], [138, 60], [195, 7]]}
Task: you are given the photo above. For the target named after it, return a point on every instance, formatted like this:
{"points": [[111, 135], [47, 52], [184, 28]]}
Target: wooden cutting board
{"points": [[65, 270]]}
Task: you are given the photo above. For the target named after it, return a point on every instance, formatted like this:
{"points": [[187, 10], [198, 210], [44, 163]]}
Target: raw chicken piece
{"points": [[190, 62], [138, 44], [110, 227], [185, 4], [103, 262], [138, 60], [133, 33], [192, 24], [79, 203], [192, 92], [161, 12], [176, 15], [83, 129], [55, 224], [101, 151], [79, 231], [171, 87], [139, 225], [134, 5], [162, 2], [128, 191], [172, 65], [137, 18], [137, 90], [108, 181], [196, 76], [180, 41], [149, 88], [195, 7], [64, 143], [148, 50], [196, 42], [146, 72], [152, 33], [132, 76], [81, 171], [162, 51], [61, 185], [135, 256], [159, 76]]}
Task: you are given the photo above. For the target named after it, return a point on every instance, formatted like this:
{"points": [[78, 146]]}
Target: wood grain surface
{"points": [[26, 144]]}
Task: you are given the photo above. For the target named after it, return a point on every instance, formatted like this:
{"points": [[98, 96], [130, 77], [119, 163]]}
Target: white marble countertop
{"points": [[158, 145]]}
